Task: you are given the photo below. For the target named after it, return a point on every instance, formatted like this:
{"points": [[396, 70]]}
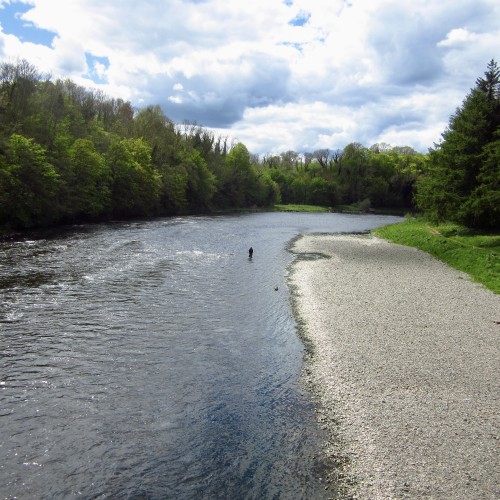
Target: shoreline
{"points": [[402, 357]]}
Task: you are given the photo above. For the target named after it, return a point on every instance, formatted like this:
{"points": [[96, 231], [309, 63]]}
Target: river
{"points": [[154, 359]]}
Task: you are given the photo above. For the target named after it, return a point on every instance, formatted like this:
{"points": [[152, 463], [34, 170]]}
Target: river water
{"points": [[154, 359]]}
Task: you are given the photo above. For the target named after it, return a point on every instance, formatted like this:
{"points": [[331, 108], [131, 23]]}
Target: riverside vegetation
{"points": [[475, 253], [70, 154]]}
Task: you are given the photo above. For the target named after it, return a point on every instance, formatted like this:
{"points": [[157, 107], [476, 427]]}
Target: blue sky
{"points": [[12, 23], [277, 75]]}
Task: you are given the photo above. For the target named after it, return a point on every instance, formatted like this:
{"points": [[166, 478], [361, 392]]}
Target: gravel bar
{"points": [[402, 355]]}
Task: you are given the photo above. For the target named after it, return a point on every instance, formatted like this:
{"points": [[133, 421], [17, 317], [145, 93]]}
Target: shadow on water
{"points": [[29, 279]]}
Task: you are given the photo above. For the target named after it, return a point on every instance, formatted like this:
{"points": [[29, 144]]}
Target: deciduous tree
{"points": [[29, 183]]}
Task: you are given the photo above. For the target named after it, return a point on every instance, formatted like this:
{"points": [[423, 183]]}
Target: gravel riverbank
{"points": [[403, 358]]}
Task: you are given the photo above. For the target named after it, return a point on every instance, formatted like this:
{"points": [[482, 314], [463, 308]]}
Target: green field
{"points": [[477, 254]]}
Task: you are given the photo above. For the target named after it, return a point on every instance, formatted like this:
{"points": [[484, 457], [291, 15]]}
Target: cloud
{"points": [[217, 91], [457, 36], [417, 120], [278, 75]]}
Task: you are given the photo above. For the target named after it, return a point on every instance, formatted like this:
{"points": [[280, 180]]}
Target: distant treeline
{"points": [[70, 154], [379, 176]]}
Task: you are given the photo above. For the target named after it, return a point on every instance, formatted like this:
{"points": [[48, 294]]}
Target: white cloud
{"points": [[100, 70], [277, 75], [69, 57], [457, 36]]}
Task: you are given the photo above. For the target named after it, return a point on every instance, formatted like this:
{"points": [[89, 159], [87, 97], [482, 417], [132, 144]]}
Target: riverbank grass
{"points": [[300, 208], [477, 254]]}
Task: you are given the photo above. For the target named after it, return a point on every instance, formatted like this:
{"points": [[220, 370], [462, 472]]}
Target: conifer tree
{"points": [[461, 183]]}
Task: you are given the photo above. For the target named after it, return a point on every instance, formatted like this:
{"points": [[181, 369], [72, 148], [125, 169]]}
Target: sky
{"points": [[277, 75]]}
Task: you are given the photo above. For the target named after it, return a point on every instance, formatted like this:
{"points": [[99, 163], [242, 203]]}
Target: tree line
{"points": [[71, 154], [377, 177]]}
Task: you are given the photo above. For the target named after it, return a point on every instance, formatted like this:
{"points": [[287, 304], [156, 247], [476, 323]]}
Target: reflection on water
{"points": [[155, 360]]}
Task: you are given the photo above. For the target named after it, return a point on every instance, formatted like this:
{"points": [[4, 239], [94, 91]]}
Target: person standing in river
{"points": [[250, 252]]}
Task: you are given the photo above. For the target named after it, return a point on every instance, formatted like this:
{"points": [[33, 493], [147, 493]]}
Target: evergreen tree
{"points": [[459, 173]]}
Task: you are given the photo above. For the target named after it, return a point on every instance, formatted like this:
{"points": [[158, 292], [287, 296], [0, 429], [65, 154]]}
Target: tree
{"points": [[88, 180], [238, 178], [352, 169], [482, 208], [18, 84], [174, 191], [201, 184], [456, 179], [29, 184], [491, 84], [269, 191], [290, 159], [283, 180], [322, 192], [323, 157], [135, 182]]}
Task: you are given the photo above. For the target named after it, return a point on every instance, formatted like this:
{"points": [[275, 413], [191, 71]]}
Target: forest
{"points": [[70, 154]]}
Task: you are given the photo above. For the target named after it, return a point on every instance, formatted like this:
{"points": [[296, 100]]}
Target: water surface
{"points": [[156, 360]]}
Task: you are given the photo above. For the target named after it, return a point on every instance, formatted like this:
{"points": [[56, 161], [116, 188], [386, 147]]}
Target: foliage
{"points": [[380, 176], [461, 183], [87, 179], [71, 154], [28, 184], [135, 181], [475, 253]]}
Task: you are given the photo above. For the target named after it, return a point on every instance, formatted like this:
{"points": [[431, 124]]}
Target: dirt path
{"points": [[405, 362]]}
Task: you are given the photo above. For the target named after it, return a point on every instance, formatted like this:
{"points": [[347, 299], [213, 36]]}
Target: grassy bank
{"points": [[300, 208], [341, 209], [477, 254]]}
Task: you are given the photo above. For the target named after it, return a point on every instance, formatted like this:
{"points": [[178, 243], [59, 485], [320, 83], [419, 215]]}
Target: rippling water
{"points": [[155, 360]]}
